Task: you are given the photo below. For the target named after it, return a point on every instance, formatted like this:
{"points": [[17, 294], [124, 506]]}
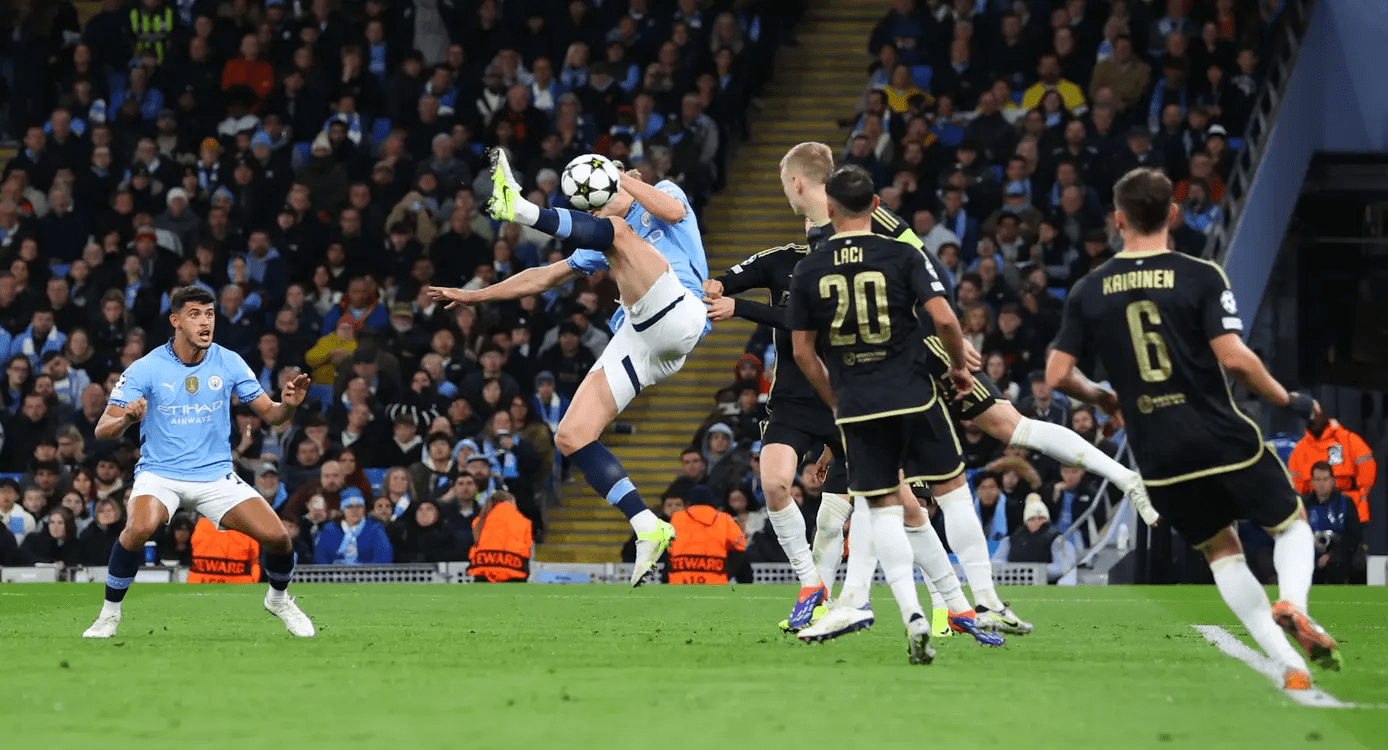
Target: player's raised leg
{"points": [[1005, 423], [255, 518], [1245, 596], [145, 514]]}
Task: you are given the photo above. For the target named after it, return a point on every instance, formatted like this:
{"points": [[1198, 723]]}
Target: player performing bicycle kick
{"points": [[647, 237]]}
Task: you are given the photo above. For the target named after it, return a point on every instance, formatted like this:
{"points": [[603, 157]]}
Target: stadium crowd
{"points": [[996, 129], [315, 165]]}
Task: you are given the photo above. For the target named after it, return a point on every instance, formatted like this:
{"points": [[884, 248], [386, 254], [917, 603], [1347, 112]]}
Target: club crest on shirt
{"points": [[645, 219], [190, 384], [1227, 300], [214, 382]]}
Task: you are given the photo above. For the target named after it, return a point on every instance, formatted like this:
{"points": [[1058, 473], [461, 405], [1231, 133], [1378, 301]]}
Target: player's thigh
{"points": [[779, 464], [615, 379], [1263, 493], [595, 404], [216, 499], [874, 450], [933, 454], [1197, 508], [166, 491]]}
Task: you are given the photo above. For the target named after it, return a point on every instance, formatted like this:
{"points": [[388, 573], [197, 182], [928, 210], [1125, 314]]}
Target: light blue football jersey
{"points": [[680, 243], [186, 432]]}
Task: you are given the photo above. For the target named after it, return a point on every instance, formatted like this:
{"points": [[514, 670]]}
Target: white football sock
{"points": [[645, 522], [276, 595], [930, 555], [937, 601], [1245, 596], [965, 533], [1294, 557], [110, 608], [828, 536], [1067, 447], [862, 557], [789, 525], [897, 561]]}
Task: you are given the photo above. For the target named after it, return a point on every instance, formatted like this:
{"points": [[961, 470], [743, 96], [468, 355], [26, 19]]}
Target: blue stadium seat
{"points": [[15, 476], [1283, 444], [376, 477], [380, 129], [60, 270], [300, 154], [1236, 144], [1057, 293], [323, 394], [998, 173], [922, 74]]}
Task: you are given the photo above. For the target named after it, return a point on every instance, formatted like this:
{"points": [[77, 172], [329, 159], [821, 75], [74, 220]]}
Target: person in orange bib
{"points": [[1350, 458], [504, 538], [223, 556], [704, 537]]}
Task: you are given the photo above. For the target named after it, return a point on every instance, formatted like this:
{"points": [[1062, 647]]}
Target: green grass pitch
{"points": [[419, 667]]}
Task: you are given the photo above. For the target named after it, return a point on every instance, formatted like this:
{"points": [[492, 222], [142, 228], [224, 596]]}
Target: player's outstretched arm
{"points": [[279, 412], [527, 282], [807, 357], [116, 419], [1063, 375], [667, 208]]}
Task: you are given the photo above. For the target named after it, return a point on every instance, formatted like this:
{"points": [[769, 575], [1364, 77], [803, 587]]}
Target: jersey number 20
{"points": [[838, 285], [1153, 359]]}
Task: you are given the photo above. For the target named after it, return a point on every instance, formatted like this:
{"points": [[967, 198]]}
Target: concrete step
{"points": [[578, 553]]}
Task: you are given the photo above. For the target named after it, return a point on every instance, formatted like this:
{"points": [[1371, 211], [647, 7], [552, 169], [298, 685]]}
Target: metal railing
{"points": [[1290, 30], [1086, 527]]}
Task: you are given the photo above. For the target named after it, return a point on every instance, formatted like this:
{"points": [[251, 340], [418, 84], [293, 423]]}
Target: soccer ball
{"points": [[589, 181]]}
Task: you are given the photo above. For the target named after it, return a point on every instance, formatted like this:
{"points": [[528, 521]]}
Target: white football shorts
{"points": [[211, 499], [661, 329]]}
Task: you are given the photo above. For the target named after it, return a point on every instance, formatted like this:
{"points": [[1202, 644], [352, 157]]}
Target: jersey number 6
{"points": [[1153, 360], [838, 286]]}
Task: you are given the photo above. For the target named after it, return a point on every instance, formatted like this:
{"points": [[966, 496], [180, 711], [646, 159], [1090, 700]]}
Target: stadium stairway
{"points": [[816, 82]]}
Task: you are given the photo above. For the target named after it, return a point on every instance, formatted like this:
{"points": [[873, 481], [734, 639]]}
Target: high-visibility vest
{"points": [[502, 550], [152, 31], [1351, 464], [223, 556], [704, 536]]}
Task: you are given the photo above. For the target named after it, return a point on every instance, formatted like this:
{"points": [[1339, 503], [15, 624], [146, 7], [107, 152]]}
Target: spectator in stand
{"points": [[1124, 75], [1041, 404], [424, 537], [1048, 73], [1339, 533], [107, 523], [1351, 461], [329, 486], [55, 543], [1198, 212], [1037, 541], [355, 540]]}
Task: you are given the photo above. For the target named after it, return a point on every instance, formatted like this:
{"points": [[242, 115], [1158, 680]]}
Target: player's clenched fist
{"points": [[135, 410]]}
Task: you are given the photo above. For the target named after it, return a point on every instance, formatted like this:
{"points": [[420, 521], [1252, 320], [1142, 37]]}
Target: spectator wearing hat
{"points": [[324, 176], [1037, 541], [355, 540], [179, 219], [269, 486], [548, 403], [14, 518], [431, 474], [1217, 147]]}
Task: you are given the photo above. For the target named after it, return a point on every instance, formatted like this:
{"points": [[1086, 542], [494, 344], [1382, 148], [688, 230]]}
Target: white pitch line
{"points": [[1265, 666]]}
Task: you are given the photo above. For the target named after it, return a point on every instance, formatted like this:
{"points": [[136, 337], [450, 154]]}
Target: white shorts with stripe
{"points": [[212, 499], [661, 329]]}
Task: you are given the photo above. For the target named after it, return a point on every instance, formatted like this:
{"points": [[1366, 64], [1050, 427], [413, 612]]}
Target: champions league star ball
{"points": [[589, 182]]}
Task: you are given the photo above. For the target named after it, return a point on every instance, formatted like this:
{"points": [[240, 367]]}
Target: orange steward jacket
{"points": [[704, 536]]}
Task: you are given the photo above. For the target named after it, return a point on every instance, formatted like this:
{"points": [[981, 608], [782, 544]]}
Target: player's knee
{"points": [[138, 530], [569, 439], [277, 542]]}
